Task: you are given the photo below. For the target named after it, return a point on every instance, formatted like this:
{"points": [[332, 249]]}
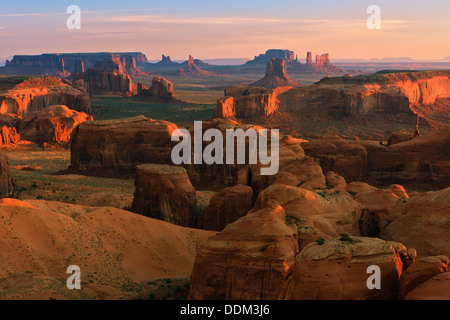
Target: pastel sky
{"points": [[228, 29]]}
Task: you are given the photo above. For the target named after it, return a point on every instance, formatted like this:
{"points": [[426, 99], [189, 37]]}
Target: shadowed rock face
{"points": [[248, 260], [341, 268], [376, 98], [276, 76], [6, 180], [52, 125], [191, 69], [164, 192], [114, 148], [161, 90], [227, 206]]}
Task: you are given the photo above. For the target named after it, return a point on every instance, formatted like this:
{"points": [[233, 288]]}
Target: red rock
{"points": [[23, 95], [276, 76], [421, 271], [52, 125], [248, 260], [192, 70], [227, 206], [316, 214], [114, 147], [337, 270], [437, 288], [6, 181], [164, 192], [423, 224]]}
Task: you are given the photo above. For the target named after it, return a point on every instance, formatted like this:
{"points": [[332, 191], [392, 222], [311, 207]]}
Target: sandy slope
{"points": [[116, 250]]}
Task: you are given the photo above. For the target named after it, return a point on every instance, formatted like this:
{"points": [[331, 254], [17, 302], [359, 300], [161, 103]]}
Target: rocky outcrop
{"points": [[336, 269], [434, 289], [63, 65], [420, 272], [423, 224], [107, 78], [164, 192], [9, 129], [381, 98], [287, 55], [425, 158], [52, 125], [344, 157], [276, 76], [114, 147], [6, 180], [192, 70], [23, 95], [248, 260], [227, 206], [249, 103], [161, 90]]}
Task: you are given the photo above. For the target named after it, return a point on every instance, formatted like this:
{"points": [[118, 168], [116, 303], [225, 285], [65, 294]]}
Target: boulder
{"points": [[248, 260], [164, 192]]}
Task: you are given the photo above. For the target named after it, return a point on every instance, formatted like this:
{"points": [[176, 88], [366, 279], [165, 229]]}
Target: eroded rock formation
{"points": [[227, 206], [161, 90], [114, 147], [107, 77], [6, 180], [276, 76], [248, 260], [23, 95], [164, 192], [337, 270], [192, 70], [52, 125]]}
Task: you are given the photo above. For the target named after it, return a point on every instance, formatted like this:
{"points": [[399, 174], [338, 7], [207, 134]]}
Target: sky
{"points": [[228, 29]]}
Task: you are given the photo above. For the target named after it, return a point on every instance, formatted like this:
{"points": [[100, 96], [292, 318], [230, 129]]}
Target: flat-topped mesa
{"points": [[20, 95], [248, 260], [114, 148], [6, 180], [276, 76], [164, 192], [107, 77]]}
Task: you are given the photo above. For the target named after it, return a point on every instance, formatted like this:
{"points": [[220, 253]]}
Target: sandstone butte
{"points": [[276, 76], [399, 96], [160, 91], [192, 70]]}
